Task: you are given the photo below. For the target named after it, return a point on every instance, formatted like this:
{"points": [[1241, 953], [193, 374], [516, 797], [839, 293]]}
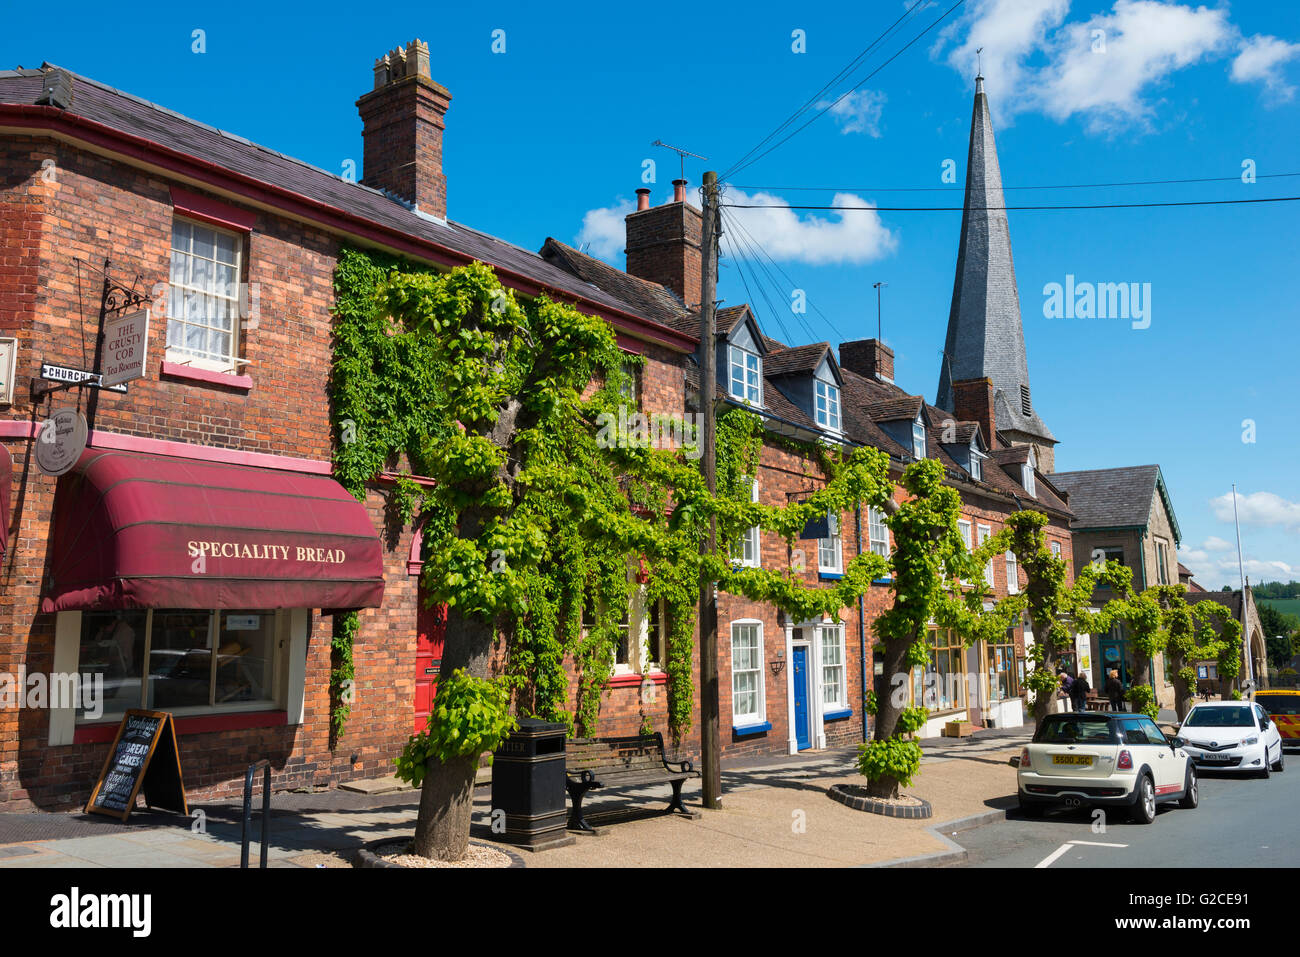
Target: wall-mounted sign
{"points": [[60, 441], [126, 340], [243, 622], [8, 366], [53, 373]]}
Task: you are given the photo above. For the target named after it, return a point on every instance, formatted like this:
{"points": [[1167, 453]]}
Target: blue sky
{"points": [[549, 138]]}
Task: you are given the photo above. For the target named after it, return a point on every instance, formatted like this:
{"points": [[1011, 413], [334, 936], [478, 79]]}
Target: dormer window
{"points": [[976, 463], [1027, 475], [918, 439], [746, 376], [828, 405]]}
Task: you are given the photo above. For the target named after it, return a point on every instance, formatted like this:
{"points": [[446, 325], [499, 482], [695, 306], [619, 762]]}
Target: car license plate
{"points": [[1083, 759], [1214, 757]]}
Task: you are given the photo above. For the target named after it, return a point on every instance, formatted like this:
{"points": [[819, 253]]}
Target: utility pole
{"points": [[710, 744], [1245, 619], [880, 337]]}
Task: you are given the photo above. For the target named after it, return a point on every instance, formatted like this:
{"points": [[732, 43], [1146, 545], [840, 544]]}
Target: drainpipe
{"points": [[862, 629]]}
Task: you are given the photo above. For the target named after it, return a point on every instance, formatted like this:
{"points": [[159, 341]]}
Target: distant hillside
{"points": [[1287, 606]]}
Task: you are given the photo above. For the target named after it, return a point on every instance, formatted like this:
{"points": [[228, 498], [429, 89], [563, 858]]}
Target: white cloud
{"points": [[837, 238], [858, 112], [1258, 508], [1214, 572], [1102, 68], [1216, 544], [1261, 59], [603, 230]]}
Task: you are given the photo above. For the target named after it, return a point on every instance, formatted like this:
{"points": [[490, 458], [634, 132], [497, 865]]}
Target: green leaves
{"points": [[470, 716]]}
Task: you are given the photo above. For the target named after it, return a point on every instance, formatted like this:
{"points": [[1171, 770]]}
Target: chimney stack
{"points": [[403, 120], [869, 358], [972, 401], [664, 244]]}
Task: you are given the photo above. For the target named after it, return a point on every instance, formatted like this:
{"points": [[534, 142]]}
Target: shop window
{"points": [[941, 684], [747, 705], [183, 660], [834, 690], [204, 297], [1003, 676]]}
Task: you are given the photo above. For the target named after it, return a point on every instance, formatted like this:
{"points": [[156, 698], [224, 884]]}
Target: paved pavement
{"points": [[775, 813]]}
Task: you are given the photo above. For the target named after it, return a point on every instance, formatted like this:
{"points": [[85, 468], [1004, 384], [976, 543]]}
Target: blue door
{"points": [[801, 736]]}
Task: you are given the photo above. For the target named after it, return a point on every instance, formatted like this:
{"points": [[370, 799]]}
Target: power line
{"points": [[739, 166], [749, 296], [958, 209], [946, 189], [833, 80]]}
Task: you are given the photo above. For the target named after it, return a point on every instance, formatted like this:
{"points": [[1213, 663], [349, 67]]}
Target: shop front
{"points": [[189, 587]]}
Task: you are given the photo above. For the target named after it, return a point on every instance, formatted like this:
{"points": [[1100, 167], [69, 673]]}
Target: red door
{"points": [[430, 631]]}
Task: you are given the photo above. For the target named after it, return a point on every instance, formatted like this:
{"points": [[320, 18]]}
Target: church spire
{"points": [[985, 336]]}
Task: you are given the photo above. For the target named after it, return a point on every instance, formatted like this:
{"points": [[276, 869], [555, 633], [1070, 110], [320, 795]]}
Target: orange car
{"points": [[1283, 706]]}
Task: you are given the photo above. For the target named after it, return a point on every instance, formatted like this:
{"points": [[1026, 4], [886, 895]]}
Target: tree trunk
{"points": [[1045, 701], [887, 710], [447, 794]]}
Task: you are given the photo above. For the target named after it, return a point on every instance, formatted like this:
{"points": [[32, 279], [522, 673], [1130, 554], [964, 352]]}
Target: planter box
{"points": [[958, 729]]}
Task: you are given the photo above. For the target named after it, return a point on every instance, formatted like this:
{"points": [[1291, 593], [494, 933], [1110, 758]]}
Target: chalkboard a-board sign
{"points": [[144, 755]]}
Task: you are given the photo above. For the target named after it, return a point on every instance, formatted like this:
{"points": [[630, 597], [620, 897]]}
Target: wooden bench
{"points": [[621, 762]]}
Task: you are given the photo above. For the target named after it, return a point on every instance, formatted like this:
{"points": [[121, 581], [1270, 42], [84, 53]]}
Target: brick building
{"points": [[235, 246], [227, 435]]}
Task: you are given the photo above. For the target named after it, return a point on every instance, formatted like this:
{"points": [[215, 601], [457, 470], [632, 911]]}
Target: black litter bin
{"points": [[528, 791]]}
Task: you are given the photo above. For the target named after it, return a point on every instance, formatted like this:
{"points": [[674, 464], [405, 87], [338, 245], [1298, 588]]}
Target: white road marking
{"points": [[1056, 854], [1047, 861]]}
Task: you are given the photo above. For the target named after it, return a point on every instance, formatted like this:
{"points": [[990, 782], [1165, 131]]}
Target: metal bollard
{"points": [[248, 812]]}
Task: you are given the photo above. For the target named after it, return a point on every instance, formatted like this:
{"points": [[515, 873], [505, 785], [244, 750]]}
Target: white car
{"points": [[1088, 758], [1233, 736]]}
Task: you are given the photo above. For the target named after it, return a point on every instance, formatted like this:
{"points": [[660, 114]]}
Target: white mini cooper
{"points": [[1105, 759]]}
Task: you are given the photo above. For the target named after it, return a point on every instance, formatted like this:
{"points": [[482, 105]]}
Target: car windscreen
{"points": [[1220, 718], [1074, 729], [1279, 703]]}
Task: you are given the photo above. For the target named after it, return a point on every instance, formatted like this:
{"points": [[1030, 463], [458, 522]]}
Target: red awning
{"points": [[151, 531]]}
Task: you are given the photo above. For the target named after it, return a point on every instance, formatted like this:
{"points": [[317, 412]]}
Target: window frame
{"points": [[179, 354], [832, 636], [751, 537], [876, 518], [733, 352], [831, 400], [759, 716], [983, 534], [1162, 562], [835, 540], [976, 463], [967, 530], [1013, 573], [919, 446]]}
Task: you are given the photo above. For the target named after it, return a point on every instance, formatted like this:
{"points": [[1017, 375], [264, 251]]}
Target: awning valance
{"points": [[151, 531]]}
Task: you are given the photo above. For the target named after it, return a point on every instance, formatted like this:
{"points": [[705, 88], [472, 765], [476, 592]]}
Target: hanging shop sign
{"points": [[8, 366], [144, 756], [126, 341], [60, 441], [70, 376]]}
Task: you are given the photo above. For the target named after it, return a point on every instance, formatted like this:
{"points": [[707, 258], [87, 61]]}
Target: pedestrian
{"points": [[1079, 692], [1115, 691], [1066, 682]]}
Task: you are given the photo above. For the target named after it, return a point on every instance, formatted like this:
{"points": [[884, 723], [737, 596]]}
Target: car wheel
{"points": [[1280, 764], [1191, 797], [1144, 808], [1265, 772]]}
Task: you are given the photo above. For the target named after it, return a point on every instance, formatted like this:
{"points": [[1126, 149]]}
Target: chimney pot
{"points": [[679, 191], [643, 198], [402, 125]]}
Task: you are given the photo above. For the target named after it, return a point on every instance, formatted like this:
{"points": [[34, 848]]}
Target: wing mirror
{"points": [[1176, 742]]}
